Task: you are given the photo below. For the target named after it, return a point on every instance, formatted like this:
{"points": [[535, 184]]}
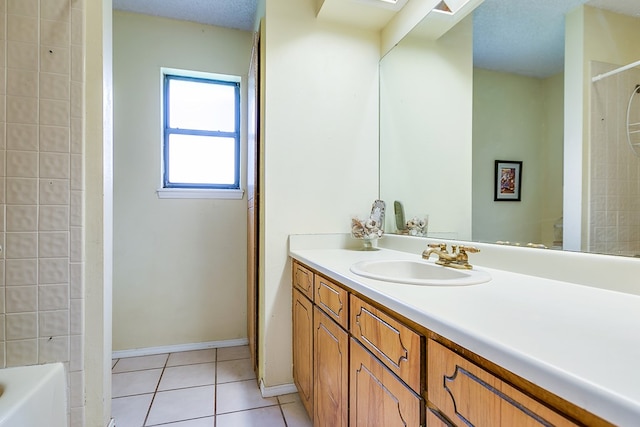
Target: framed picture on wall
{"points": [[507, 181]]}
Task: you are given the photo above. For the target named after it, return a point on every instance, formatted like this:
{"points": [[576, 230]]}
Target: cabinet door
{"points": [[397, 346], [331, 372], [469, 395], [303, 279], [303, 349], [332, 299], [379, 398]]}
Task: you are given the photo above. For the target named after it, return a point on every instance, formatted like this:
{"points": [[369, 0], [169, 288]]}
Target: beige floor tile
{"points": [[188, 376], [180, 405], [131, 411], [239, 396], [263, 417], [232, 353], [288, 398], [198, 422], [235, 370], [296, 415], [137, 382], [191, 357], [128, 364]]}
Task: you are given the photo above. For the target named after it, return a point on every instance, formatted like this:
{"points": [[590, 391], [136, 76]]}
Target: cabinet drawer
{"points": [[397, 346], [303, 279], [469, 395], [332, 299], [378, 398]]}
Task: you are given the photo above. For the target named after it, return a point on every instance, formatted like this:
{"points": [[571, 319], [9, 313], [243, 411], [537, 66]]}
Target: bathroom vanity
{"points": [[518, 350]]}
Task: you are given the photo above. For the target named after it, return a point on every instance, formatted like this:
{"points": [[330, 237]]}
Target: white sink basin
{"points": [[418, 273]]}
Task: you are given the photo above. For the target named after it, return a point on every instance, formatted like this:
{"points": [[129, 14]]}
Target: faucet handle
{"points": [[470, 249], [441, 246]]}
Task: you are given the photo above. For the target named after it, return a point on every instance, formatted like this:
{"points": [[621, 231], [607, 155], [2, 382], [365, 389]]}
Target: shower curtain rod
{"points": [[616, 71]]}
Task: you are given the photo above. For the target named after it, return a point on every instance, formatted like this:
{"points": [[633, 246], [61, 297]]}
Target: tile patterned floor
{"points": [[201, 388]]}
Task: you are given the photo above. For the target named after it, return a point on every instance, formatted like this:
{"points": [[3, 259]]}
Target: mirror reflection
{"points": [[500, 85]]}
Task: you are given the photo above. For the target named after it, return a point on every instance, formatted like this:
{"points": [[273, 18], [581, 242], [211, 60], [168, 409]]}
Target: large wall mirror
{"points": [[514, 82]]}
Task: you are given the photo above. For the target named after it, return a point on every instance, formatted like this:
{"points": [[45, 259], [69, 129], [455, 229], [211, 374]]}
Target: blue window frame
{"points": [[201, 145]]}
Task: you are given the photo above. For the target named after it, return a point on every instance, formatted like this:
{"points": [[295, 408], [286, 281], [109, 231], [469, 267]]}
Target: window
{"points": [[201, 135]]}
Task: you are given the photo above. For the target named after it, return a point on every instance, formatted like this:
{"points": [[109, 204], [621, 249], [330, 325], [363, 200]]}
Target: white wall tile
{"points": [[59, 10], [76, 355], [22, 55], [75, 217], [22, 352], [76, 135], [53, 271], [23, 7], [22, 110], [54, 192], [22, 83], [22, 29], [76, 314], [76, 274], [77, 63], [54, 139], [53, 218], [22, 136], [20, 326], [76, 26], [76, 172], [53, 323], [21, 299], [55, 86], [54, 112], [54, 165], [21, 245], [53, 244], [55, 33], [22, 218], [21, 272], [21, 191], [54, 59], [76, 244], [53, 349], [22, 164]]}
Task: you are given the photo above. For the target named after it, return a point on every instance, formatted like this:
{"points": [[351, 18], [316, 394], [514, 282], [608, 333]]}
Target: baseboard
{"points": [[149, 351], [277, 390]]}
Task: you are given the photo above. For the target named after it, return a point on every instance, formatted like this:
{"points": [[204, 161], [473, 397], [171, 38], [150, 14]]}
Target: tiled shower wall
{"points": [[614, 211], [41, 188]]}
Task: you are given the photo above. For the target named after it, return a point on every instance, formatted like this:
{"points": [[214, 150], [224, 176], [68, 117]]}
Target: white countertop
{"points": [[580, 343]]}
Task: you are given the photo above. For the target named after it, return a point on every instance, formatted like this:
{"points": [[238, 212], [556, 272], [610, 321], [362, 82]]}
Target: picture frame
{"points": [[507, 181]]}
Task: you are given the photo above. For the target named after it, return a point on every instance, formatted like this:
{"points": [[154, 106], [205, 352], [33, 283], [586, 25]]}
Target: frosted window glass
{"points": [[201, 159], [194, 105]]}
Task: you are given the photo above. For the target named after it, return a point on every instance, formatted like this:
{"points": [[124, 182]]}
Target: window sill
{"points": [[196, 193]]}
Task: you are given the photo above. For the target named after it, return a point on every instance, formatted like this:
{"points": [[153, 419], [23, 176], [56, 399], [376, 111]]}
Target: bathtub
{"points": [[33, 396]]}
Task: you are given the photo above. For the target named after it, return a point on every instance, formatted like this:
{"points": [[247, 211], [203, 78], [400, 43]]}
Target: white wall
{"points": [[517, 118], [320, 151], [179, 265], [425, 130]]}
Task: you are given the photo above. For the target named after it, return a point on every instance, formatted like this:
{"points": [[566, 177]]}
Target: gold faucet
{"points": [[458, 257]]}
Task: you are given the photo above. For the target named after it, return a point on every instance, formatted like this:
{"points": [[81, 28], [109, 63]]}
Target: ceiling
{"points": [[519, 36], [527, 37]]}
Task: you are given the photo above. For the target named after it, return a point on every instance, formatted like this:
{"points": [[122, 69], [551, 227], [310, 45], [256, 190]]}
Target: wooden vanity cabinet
{"points": [[465, 394], [303, 348], [331, 372], [399, 348], [377, 397]]}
